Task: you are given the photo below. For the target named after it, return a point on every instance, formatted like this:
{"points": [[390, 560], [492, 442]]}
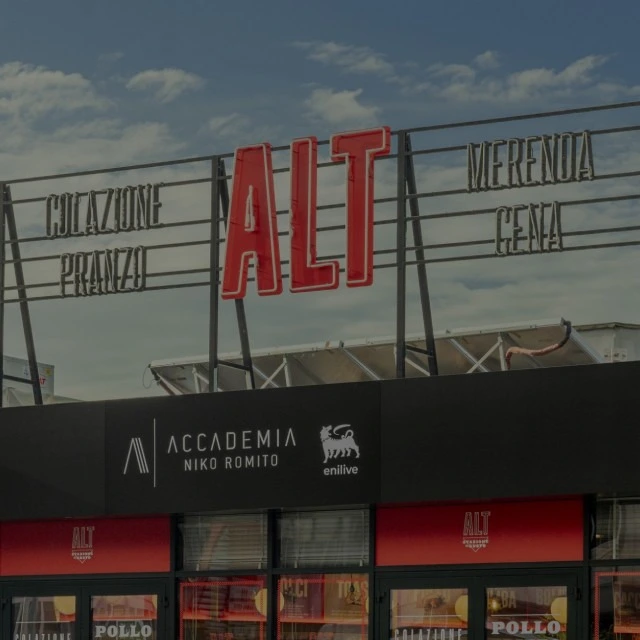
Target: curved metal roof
{"points": [[459, 351]]}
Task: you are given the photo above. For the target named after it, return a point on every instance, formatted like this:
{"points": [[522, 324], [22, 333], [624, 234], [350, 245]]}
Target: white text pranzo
{"points": [[528, 162]]}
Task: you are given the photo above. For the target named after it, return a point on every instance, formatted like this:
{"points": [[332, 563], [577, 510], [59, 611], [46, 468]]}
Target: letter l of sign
{"points": [[252, 229], [358, 149], [307, 274]]}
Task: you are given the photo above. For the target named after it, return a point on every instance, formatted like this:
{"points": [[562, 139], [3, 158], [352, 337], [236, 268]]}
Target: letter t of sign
{"points": [[358, 149], [252, 230]]}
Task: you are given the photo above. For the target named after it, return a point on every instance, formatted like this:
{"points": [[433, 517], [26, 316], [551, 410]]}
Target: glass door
{"points": [[47, 613], [479, 606], [133, 612], [430, 613], [84, 610], [431, 609], [516, 610]]}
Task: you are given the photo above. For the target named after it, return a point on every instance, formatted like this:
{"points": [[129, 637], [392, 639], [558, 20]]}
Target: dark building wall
{"points": [[545, 432]]}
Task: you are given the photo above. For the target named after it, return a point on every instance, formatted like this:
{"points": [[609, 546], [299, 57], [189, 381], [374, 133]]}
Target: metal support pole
{"points": [[12, 231], [214, 266], [287, 371], [2, 286], [241, 316], [401, 257], [421, 266]]}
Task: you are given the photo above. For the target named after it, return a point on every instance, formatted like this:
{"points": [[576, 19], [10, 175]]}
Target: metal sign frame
{"points": [[405, 254]]}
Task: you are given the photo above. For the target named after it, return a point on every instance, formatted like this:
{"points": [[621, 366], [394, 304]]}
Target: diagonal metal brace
{"points": [[12, 232]]}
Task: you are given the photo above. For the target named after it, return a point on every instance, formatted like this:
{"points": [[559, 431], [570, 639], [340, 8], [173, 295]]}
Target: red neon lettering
{"points": [[307, 274], [358, 149], [252, 230]]}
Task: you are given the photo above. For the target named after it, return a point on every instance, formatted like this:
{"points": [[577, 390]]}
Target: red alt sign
{"points": [[252, 231], [65, 547], [533, 531]]}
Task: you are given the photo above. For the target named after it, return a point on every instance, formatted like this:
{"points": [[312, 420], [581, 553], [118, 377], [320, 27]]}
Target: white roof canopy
{"points": [[469, 350]]}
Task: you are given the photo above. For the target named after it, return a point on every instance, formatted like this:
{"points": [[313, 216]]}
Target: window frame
{"points": [[228, 570], [599, 568], [273, 571]]}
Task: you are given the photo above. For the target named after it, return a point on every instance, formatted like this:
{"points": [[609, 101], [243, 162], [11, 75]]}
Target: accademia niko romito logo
{"points": [[336, 444], [228, 451], [136, 450]]}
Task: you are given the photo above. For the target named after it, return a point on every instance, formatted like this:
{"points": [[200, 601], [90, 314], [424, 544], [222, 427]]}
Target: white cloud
{"points": [[167, 84], [352, 59], [487, 60], [453, 71], [237, 130], [340, 107], [112, 56], [229, 126], [28, 91], [475, 82], [461, 83], [478, 81]]}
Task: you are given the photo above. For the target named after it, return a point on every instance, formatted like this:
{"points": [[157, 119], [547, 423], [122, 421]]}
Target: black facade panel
{"points": [[541, 432], [243, 450], [52, 461], [545, 432]]}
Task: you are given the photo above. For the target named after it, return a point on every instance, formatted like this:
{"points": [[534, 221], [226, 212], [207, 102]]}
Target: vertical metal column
{"points": [[214, 267], [241, 316], [12, 231], [401, 256], [423, 284], [2, 285]]}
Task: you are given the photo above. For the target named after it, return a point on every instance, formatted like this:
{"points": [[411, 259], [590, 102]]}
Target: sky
{"points": [[93, 84]]}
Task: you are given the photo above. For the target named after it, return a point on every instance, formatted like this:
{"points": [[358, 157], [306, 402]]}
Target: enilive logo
{"points": [[475, 532], [82, 544], [339, 445]]}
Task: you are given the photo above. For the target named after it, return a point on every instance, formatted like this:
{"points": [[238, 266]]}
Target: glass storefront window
{"points": [[130, 616], [222, 542], [337, 538], [616, 604], [43, 617], [617, 534], [323, 607], [521, 612], [229, 608], [440, 614]]}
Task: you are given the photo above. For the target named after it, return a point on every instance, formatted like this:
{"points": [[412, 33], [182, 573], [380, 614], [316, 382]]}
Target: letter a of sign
{"points": [[252, 230], [359, 149], [307, 274]]}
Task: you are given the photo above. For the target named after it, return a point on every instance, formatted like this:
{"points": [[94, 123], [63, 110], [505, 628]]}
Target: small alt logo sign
{"points": [[82, 544], [475, 532]]}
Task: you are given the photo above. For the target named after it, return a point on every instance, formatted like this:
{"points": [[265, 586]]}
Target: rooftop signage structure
{"points": [[245, 229]]}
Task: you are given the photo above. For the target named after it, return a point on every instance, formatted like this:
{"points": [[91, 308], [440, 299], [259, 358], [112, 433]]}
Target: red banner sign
{"points": [[480, 533], [60, 547]]}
